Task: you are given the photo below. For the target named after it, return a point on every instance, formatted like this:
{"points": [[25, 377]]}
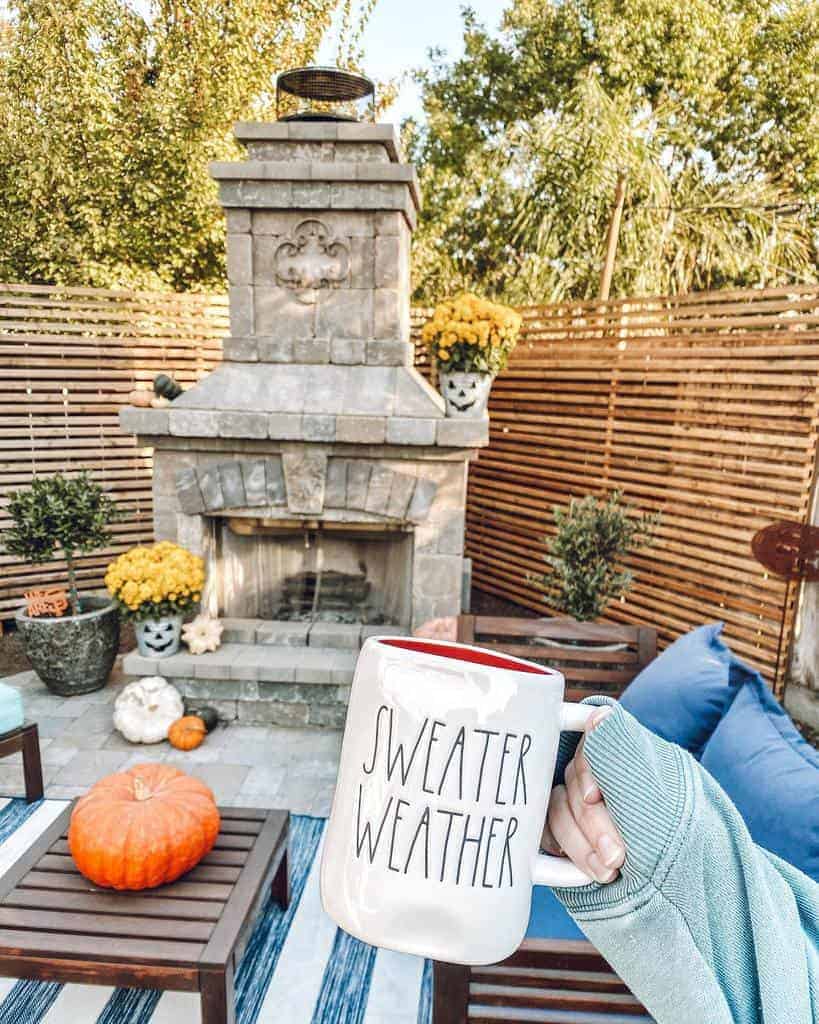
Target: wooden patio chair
{"points": [[549, 980]]}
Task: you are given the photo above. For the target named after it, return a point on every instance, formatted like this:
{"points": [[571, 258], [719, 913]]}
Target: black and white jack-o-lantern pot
{"points": [[158, 638], [465, 393]]}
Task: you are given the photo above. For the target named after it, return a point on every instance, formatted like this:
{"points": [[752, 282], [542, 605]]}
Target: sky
{"points": [[401, 32]]}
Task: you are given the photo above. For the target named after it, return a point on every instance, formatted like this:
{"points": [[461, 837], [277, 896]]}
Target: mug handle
{"points": [[559, 871]]}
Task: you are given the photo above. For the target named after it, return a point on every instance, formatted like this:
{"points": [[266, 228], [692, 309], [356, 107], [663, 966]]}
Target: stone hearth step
{"points": [[241, 663], [279, 673], [347, 636]]}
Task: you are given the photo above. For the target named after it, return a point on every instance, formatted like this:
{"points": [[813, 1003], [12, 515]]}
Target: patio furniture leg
{"points": [[216, 996], [280, 886], [450, 993], [32, 765]]}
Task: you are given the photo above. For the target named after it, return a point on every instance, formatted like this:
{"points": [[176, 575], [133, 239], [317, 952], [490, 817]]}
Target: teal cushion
{"points": [[549, 919], [11, 708]]}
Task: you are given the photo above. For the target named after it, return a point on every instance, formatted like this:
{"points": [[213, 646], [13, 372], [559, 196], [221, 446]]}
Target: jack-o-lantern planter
{"points": [[158, 638], [143, 827], [470, 340], [465, 394]]}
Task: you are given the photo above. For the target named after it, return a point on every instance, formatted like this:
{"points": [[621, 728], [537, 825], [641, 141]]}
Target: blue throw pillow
{"points": [[549, 919], [770, 772], [682, 695]]}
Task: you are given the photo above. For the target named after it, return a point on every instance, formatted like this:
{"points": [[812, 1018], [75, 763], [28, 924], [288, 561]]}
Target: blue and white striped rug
{"points": [[298, 968]]}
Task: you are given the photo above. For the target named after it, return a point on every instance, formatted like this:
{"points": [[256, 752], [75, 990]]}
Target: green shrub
{"points": [[57, 511], [586, 556]]}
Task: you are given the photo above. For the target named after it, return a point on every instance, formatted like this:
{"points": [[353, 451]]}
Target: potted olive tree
{"points": [[586, 556], [72, 653]]}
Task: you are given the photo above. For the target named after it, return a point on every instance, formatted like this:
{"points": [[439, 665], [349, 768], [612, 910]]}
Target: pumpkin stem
{"points": [[141, 790]]}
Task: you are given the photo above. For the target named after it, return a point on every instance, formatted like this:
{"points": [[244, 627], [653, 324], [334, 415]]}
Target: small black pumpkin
{"points": [[166, 387], [209, 716]]}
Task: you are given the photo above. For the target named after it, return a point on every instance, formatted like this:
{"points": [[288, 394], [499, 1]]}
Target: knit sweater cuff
{"points": [[644, 781]]}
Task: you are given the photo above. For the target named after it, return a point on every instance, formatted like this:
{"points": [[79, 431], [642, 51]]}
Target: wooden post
{"points": [[613, 235]]}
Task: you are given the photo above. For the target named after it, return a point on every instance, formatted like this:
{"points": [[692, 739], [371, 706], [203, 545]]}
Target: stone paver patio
{"points": [[245, 765]]}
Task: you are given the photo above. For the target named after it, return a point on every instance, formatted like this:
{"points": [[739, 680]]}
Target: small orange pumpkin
{"points": [[143, 827], [187, 733]]}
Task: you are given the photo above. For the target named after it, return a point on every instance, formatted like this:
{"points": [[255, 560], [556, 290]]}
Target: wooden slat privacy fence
{"points": [[68, 358], [704, 407]]}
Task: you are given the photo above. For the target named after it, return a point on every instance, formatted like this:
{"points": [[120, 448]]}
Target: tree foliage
{"points": [[59, 512], [709, 108], [593, 537], [109, 114]]}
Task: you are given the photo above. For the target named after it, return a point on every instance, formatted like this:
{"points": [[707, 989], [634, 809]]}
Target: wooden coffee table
{"points": [[55, 925]]}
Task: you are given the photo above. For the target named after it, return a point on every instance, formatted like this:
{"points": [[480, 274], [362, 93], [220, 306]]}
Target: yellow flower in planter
{"points": [[160, 580], [471, 334]]}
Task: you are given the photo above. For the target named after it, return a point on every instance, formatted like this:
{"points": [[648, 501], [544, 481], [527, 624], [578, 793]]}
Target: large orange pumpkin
{"points": [[187, 733], [143, 827]]}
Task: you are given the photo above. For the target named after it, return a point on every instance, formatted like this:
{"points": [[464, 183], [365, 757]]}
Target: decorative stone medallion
{"points": [[311, 259]]}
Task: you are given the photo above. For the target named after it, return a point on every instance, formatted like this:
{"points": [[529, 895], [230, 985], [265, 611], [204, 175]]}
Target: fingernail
{"points": [[600, 715], [610, 852], [591, 791], [599, 870]]}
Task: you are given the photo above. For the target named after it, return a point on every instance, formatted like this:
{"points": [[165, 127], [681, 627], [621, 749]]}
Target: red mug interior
{"points": [[471, 654]]}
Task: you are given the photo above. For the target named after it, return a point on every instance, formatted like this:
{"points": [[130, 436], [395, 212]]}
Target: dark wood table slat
{"points": [[58, 881], [103, 902], [92, 972], [125, 925], [234, 858], [62, 864], [149, 951], [257, 814], [228, 839]]}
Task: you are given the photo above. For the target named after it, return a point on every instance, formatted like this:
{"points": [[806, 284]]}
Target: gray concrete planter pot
{"points": [[73, 654]]}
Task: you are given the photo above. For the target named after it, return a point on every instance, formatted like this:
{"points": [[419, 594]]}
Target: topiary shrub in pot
{"points": [[72, 653], [586, 556]]}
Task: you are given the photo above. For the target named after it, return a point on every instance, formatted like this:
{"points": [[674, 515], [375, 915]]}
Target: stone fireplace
{"points": [[314, 469]]}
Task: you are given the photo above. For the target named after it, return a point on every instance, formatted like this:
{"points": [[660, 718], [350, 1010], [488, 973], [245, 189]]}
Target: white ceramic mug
{"points": [[446, 768]]}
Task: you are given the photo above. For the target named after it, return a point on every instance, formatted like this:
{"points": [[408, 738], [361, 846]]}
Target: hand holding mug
{"points": [[579, 824]]}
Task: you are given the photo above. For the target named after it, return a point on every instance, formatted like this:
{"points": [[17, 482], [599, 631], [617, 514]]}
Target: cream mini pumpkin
{"points": [[146, 709], [202, 634]]}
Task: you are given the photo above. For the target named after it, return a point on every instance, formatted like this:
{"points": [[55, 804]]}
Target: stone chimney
{"points": [[316, 455]]}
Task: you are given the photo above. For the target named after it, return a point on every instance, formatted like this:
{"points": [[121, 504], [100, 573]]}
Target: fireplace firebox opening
{"points": [[314, 571]]}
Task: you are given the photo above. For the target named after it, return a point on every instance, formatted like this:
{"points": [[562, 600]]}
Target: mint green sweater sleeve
{"points": [[704, 926]]}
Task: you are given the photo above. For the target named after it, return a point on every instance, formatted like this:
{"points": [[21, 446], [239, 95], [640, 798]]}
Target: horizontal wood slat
{"points": [[68, 358], [704, 407]]}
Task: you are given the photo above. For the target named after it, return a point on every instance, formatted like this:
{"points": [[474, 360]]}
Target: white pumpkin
{"points": [[146, 709], [202, 634]]}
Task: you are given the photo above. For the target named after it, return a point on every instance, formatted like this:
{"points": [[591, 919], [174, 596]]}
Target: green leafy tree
{"points": [[109, 114], [586, 555], [708, 107], [70, 513]]}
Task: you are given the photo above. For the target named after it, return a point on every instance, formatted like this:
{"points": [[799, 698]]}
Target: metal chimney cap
{"points": [[325, 84]]}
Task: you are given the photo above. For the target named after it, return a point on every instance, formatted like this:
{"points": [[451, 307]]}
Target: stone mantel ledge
{"points": [[320, 131], [398, 431], [320, 172]]}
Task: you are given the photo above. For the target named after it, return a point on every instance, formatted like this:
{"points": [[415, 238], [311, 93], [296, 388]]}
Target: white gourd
{"points": [[146, 709]]}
